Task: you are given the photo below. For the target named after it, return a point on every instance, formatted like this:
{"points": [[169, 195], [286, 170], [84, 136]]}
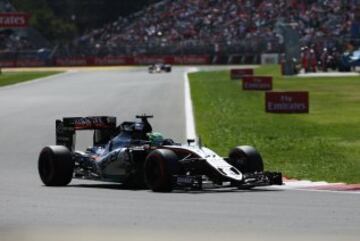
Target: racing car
{"points": [[137, 157], [349, 61], [159, 68]]}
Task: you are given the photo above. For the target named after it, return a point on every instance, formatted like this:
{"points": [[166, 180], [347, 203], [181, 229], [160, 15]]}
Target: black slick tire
{"points": [[246, 159], [160, 166], [55, 166]]}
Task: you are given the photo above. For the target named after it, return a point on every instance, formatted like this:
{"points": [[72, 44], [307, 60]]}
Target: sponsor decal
{"points": [[59, 127], [93, 123], [64, 136], [287, 102], [14, 20], [184, 180], [82, 123], [257, 83], [239, 73]]}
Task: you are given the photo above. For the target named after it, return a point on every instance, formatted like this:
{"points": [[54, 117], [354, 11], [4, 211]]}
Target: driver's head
{"points": [[155, 138]]}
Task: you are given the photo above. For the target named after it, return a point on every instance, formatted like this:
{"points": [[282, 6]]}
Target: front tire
{"points": [[246, 159], [160, 166], [56, 166]]}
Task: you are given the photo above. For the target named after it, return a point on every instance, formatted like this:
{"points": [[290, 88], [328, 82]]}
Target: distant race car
{"points": [[159, 68], [349, 60], [137, 157]]}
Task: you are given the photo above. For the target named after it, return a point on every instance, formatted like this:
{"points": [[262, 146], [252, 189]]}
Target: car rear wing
{"points": [[67, 127]]}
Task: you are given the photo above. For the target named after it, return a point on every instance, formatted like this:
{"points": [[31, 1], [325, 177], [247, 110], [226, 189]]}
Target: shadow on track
{"points": [[225, 190], [116, 186], [120, 187]]}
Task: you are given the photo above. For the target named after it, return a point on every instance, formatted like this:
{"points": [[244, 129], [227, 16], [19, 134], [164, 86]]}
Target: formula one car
{"points": [[349, 61], [137, 157], [159, 68]]}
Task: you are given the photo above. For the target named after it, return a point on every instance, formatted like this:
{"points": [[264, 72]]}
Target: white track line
{"points": [[189, 114]]}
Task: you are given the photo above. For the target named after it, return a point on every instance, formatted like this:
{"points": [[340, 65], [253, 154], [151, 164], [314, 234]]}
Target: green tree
{"points": [[54, 28]]}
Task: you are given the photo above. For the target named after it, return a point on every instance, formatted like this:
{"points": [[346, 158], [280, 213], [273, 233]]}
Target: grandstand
{"points": [[230, 31], [24, 44]]}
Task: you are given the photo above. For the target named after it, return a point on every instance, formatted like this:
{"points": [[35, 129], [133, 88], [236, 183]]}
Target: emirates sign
{"points": [[239, 73], [257, 83], [287, 102], [14, 20]]}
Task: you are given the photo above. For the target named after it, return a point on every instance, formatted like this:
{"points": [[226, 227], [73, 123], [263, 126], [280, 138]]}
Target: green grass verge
{"points": [[9, 78], [322, 145]]}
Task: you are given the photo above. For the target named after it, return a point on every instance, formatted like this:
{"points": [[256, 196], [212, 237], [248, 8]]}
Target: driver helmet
{"points": [[155, 138]]}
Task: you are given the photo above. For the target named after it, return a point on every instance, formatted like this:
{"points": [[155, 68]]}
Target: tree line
{"points": [[62, 20]]}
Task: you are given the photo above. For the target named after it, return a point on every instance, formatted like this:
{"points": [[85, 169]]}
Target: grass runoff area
{"points": [[321, 145], [9, 78]]}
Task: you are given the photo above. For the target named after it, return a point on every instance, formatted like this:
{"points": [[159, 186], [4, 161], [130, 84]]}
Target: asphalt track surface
{"points": [[88, 210]]}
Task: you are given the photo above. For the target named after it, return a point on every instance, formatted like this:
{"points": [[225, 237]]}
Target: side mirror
{"points": [[189, 141]]}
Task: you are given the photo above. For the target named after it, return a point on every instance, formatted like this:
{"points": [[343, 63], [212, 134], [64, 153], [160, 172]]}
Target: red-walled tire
{"points": [[160, 166]]}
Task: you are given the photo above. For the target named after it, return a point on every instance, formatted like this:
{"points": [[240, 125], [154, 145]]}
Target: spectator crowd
{"points": [[13, 40], [211, 26]]}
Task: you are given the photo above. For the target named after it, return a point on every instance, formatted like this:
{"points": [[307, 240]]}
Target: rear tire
{"points": [[56, 166], [160, 166], [246, 159]]}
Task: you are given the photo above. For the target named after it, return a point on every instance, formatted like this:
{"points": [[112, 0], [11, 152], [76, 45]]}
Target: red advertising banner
{"points": [[14, 20], [30, 63], [186, 59], [153, 59], [192, 59], [80, 61], [110, 60], [287, 102], [257, 82], [239, 73], [118, 60], [7, 63]]}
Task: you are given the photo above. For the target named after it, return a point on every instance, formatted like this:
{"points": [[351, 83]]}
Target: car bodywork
{"points": [[159, 68], [126, 154], [349, 60]]}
